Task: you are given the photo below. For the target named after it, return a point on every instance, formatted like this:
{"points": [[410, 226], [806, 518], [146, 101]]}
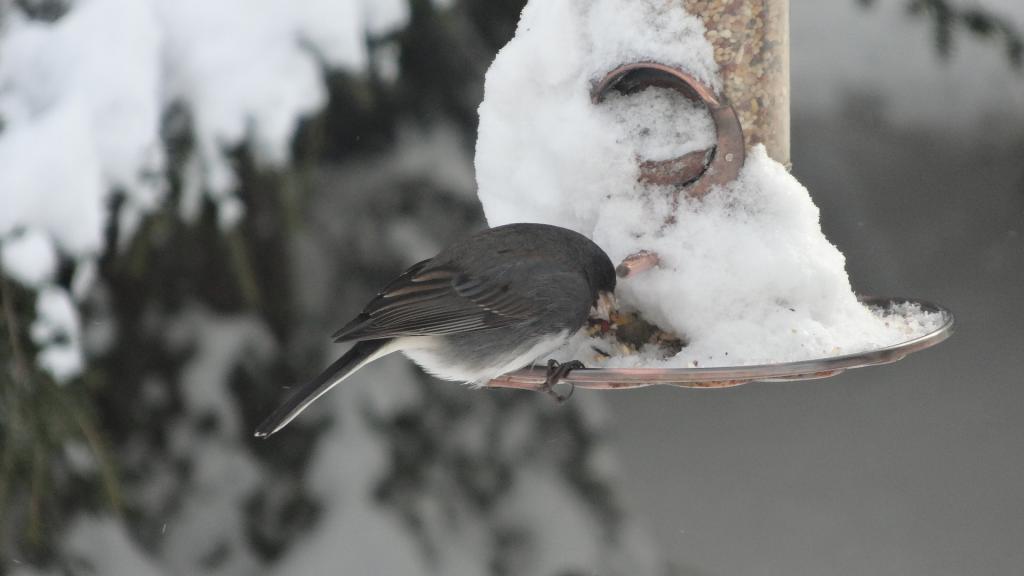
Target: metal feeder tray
{"points": [[695, 174], [728, 376]]}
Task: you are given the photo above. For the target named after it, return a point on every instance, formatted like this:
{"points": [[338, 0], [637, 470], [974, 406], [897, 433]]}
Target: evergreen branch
{"points": [[947, 18], [21, 364], [93, 437]]}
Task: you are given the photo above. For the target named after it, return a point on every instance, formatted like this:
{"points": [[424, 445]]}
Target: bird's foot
{"points": [[556, 371]]}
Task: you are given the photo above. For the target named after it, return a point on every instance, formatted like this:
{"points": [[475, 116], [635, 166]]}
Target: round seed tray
{"points": [[727, 376]]}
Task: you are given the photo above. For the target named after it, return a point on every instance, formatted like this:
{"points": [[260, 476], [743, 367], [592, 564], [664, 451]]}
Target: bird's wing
{"points": [[433, 300]]}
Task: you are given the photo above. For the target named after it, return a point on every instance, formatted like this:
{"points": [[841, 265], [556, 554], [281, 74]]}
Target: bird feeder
{"points": [[750, 39]]}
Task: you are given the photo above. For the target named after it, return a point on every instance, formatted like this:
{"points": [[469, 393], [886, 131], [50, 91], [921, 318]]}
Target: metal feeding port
{"points": [[696, 172], [694, 175]]}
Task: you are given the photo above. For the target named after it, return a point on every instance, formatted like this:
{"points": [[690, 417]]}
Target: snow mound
{"points": [[746, 274]]}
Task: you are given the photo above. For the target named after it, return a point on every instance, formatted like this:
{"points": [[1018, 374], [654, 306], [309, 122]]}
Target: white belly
{"points": [[424, 354]]}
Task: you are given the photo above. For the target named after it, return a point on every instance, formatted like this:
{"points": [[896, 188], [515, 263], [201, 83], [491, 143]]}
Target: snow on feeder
{"points": [[695, 171], [663, 134]]}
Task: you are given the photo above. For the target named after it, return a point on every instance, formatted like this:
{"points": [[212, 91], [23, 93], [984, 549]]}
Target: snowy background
{"points": [[193, 194]]}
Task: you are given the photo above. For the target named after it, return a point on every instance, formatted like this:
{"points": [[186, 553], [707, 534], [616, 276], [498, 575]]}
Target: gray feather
{"points": [[466, 289]]}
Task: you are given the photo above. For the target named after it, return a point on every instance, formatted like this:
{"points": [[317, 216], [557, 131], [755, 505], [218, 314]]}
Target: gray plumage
{"points": [[488, 304]]}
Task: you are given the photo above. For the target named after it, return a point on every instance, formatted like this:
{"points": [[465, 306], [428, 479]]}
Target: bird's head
{"points": [[601, 277]]}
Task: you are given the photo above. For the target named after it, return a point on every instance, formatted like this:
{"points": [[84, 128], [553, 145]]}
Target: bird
{"points": [[493, 302]]}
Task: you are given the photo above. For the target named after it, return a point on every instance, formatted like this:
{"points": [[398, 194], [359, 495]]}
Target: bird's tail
{"points": [[358, 356]]}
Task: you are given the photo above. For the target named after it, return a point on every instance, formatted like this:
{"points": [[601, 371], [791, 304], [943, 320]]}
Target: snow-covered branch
{"points": [[82, 100]]}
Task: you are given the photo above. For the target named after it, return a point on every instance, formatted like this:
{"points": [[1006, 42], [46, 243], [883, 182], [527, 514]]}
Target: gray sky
{"points": [[837, 46]]}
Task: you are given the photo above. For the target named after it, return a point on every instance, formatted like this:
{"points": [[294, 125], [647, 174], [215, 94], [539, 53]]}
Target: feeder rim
{"points": [[727, 376]]}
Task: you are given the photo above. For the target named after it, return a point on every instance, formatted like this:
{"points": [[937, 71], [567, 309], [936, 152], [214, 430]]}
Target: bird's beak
{"points": [[605, 305]]}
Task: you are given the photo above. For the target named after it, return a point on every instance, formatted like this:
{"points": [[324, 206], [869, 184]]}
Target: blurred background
{"points": [[198, 193]]}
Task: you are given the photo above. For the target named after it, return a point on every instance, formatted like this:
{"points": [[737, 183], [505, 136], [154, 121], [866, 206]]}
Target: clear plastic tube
{"points": [[751, 43]]}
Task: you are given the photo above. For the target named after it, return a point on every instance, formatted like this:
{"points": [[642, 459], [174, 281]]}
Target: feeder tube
{"points": [[751, 44]]}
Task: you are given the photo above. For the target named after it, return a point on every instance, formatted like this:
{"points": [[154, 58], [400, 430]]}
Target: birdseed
{"points": [[751, 46]]}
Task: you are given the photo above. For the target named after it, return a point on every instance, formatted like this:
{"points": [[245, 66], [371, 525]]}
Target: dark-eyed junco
{"points": [[491, 303]]}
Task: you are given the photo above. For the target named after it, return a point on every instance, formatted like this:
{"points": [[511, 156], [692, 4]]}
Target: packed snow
{"points": [[746, 275], [659, 123], [82, 100], [58, 333], [29, 258]]}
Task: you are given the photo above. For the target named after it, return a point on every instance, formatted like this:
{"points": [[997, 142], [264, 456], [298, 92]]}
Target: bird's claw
{"points": [[556, 371]]}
